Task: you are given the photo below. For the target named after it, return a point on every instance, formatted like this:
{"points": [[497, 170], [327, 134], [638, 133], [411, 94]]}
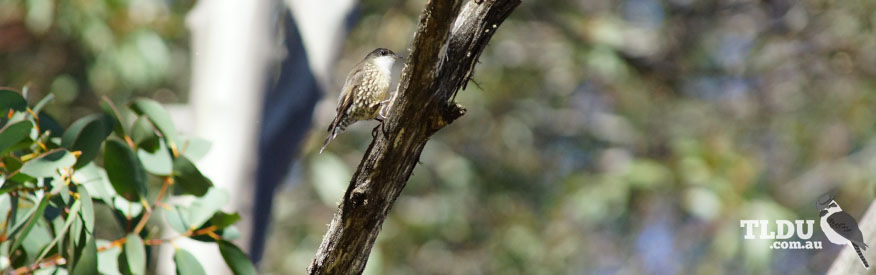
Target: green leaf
{"points": [[11, 100], [21, 178], [87, 213], [143, 134], [189, 178], [195, 148], [38, 238], [124, 170], [96, 181], [48, 164], [135, 254], [86, 263], [86, 135], [174, 217], [76, 241], [159, 117], [235, 258], [158, 162], [222, 220], [116, 114], [186, 263], [126, 208], [13, 133], [33, 216], [51, 125], [61, 233], [230, 233], [12, 163], [5, 203], [52, 270], [203, 208], [107, 260]]}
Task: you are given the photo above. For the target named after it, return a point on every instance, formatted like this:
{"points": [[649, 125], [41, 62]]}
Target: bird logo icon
{"points": [[840, 227]]}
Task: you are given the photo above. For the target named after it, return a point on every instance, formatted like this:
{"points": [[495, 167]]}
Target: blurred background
{"points": [[601, 136]]}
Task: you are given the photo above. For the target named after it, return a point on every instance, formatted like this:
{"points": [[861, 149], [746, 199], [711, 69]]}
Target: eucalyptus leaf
{"points": [[51, 125], [33, 216], [96, 181], [114, 113], [222, 220], [203, 208], [230, 233], [126, 208], [124, 170], [86, 263], [189, 178], [157, 162], [236, 259], [159, 117], [135, 254], [196, 148], [11, 100], [87, 213], [86, 135], [186, 263], [175, 219], [36, 240], [13, 133], [48, 164], [11, 163], [75, 241], [143, 134], [61, 232], [107, 259]]}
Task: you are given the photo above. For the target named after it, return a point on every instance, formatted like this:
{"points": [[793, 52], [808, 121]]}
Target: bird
{"points": [[365, 92], [840, 227]]}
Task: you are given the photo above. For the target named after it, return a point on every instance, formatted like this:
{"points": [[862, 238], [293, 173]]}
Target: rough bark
{"points": [[423, 105]]}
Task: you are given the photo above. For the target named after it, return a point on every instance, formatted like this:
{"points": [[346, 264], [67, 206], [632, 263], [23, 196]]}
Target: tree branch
{"points": [[445, 51]]}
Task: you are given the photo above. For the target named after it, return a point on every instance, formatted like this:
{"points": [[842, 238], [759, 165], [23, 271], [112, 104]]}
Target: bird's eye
{"points": [[833, 204]]}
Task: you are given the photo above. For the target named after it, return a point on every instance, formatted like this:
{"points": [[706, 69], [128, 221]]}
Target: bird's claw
{"points": [[382, 120]]}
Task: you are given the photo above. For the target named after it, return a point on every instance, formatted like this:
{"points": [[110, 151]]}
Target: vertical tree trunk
{"points": [[449, 39], [230, 46]]}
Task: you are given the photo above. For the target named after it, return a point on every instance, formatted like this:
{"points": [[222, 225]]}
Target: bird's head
{"points": [[383, 58], [830, 208]]}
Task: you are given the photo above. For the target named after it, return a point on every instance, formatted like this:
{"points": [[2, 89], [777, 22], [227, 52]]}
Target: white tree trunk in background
{"points": [[230, 52], [322, 28]]}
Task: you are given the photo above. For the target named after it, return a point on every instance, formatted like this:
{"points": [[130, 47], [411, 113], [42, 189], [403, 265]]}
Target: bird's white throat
{"points": [[385, 63]]}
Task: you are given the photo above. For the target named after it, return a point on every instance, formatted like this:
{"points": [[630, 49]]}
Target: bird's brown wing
{"points": [[344, 102]]}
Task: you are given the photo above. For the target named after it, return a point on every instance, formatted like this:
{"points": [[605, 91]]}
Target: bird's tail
{"points": [[861, 256], [333, 132]]}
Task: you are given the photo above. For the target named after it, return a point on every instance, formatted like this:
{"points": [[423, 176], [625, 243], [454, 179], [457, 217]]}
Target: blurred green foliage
{"points": [[619, 137], [52, 188], [81, 50]]}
